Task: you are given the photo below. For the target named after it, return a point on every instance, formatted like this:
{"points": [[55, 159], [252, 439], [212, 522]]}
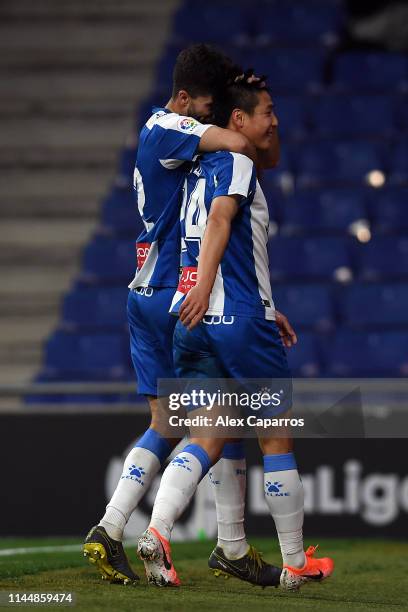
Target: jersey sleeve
{"points": [[235, 175], [177, 139]]}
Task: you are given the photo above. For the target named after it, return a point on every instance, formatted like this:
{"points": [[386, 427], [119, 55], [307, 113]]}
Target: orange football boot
{"points": [[314, 570]]}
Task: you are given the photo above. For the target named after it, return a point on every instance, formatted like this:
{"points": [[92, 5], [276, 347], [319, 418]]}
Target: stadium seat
{"points": [[289, 22], [383, 258], [362, 71], [337, 162], [399, 163], [120, 214], [307, 258], [342, 116], [279, 179], [73, 356], [401, 113], [306, 306], [375, 305], [303, 358], [322, 212], [388, 210], [360, 354], [109, 260], [291, 116], [144, 111], [96, 308], [217, 20], [126, 166], [289, 70]]}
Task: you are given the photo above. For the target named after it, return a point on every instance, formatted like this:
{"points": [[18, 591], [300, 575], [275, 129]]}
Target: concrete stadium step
{"points": [[33, 304], [72, 75], [27, 279], [18, 330], [13, 107], [92, 36], [87, 86], [49, 9], [74, 134], [45, 184], [74, 58], [62, 142], [48, 207], [38, 241], [21, 353], [46, 232], [40, 255], [16, 374], [63, 157]]}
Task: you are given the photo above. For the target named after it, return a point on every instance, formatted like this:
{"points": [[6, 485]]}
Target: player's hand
{"points": [[194, 307], [286, 331]]}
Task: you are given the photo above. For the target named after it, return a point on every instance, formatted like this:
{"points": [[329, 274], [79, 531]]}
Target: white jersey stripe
{"points": [[141, 198], [259, 225], [241, 175]]}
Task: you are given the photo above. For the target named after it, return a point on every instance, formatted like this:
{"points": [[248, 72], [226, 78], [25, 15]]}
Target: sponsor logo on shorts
{"points": [[146, 291], [218, 320]]}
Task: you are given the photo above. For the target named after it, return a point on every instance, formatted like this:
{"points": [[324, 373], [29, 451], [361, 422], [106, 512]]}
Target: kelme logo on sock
{"points": [[212, 479], [181, 462], [135, 473], [273, 489]]}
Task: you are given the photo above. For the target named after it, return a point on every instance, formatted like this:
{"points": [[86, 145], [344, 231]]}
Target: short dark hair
{"points": [[202, 70], [241, 95]]}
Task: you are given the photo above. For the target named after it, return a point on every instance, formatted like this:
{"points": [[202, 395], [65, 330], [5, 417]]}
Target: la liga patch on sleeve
{"points": [[187, 124]]}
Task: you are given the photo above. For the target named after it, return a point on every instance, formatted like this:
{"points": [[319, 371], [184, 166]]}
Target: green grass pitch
{"points": [[369, 575]]}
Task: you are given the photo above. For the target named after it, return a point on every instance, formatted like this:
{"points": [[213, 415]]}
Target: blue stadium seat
{"points": [[73, 356], [164, 70], [361, 71], [289, 70], [120, 214], [384, 257], [341, 116], [109, 260], [274, 181], [212, 21], [291, 116], [126, 165], [399, 163], [376, 305], [322, 212], [298, 22], [388, 210], [96, 308], [325, 163], [144, 111], [307, 258], [360, 354], [306, 306], [303, 358], [401, 113]]}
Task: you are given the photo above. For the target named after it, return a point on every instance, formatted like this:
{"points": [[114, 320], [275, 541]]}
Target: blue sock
{"points": [[155, 443]]}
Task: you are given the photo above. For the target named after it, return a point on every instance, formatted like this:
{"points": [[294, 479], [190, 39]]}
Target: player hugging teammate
{"points": [[223, 229]]}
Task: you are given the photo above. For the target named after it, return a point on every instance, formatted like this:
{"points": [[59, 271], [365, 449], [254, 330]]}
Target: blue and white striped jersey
{"points": [[242, 285], [167, 141]]}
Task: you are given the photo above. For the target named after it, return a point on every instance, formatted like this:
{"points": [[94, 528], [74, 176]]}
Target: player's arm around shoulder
{"points": [[220, 139]]}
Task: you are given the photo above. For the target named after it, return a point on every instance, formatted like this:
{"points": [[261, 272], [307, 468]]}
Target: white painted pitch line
{"points": [[10, 552]]}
